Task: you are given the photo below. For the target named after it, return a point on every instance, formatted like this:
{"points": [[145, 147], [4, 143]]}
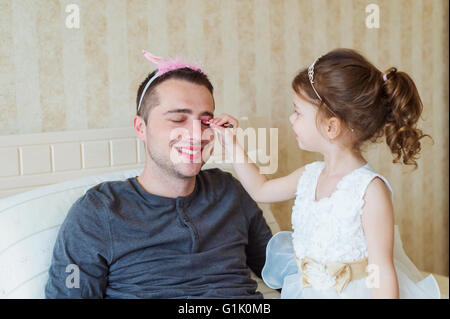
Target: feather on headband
{"points": [[165, 66]]}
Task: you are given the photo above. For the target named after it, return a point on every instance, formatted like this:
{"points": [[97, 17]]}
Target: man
{"points": [[174, 231]]}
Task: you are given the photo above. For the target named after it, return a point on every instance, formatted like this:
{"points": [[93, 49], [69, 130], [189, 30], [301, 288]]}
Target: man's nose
{"points": [[195, 131]]}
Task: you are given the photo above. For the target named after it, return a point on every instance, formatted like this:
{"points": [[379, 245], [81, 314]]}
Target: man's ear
{"points": [[140, 127], [334, 128]]}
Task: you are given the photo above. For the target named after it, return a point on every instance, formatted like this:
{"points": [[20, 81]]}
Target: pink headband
{"points": [[164, 66]]}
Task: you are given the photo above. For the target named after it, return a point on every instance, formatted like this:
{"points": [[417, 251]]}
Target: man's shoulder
{"points": [[218, 177], [217, 172], [222, 180], [111, 189], [102, 195]]}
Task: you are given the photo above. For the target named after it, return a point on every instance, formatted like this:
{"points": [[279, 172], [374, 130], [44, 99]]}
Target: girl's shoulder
{"points": [[314, 166], [307, 175], [310, 170], [366, 176]]}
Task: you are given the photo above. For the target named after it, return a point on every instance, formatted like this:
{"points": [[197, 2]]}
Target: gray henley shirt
{"points": [[127, 243]]}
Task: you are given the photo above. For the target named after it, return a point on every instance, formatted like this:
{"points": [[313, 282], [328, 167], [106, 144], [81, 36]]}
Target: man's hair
{"points": [[151, 97]]}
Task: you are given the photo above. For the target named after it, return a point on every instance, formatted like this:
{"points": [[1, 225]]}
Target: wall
{"points": [[58, 79]]}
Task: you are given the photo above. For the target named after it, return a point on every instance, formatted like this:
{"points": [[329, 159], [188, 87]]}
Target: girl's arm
{"points": [[378, 225], [255, 183]]}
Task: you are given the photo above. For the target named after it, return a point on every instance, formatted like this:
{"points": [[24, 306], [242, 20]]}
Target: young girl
{"points": [[343, 244]]}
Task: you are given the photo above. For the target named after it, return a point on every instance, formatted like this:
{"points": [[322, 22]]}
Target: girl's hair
{"points": [[367, 101]]}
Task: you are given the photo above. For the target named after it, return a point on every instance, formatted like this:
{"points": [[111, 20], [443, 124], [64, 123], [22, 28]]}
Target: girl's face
{"points": [[303, 122]]}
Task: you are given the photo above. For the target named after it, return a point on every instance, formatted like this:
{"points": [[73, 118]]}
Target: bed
{"points": [[41, 175]]}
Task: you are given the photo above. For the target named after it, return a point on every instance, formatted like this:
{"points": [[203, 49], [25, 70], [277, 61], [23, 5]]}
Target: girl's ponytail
{"points": [[404, 110], [368, 102]]}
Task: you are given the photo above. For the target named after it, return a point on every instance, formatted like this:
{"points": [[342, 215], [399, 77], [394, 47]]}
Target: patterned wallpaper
{"points": [[57, 78]]}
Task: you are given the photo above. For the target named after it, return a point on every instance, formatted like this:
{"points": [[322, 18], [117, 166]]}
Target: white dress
{"points": [[330, 230]]}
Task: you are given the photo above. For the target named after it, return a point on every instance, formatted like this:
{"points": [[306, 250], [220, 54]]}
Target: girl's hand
{"points": [[224, 120], [224, 126]]}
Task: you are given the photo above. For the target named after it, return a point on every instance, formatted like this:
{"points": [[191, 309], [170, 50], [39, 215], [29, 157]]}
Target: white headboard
{"points": [[32, 160]]}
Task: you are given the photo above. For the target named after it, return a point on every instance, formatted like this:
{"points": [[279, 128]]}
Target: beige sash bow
{"points": [[344, 272]]}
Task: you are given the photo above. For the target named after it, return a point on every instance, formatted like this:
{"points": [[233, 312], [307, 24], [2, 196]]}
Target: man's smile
{"points": [[189, 152]]}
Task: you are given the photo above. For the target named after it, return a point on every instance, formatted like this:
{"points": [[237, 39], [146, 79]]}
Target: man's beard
{"points": [[166, 164]]}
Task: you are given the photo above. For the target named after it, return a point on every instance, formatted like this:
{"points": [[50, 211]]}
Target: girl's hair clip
{"points": [[311, 76]]}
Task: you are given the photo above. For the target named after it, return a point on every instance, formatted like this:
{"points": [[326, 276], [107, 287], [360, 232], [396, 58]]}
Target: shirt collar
{"points": [[157, 199]]}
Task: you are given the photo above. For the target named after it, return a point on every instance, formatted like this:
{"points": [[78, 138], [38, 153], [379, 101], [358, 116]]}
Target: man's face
{"points": [[176, 140]]}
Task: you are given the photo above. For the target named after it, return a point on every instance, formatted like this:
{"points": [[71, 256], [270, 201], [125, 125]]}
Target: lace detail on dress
{"points": [[330, 230]]}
